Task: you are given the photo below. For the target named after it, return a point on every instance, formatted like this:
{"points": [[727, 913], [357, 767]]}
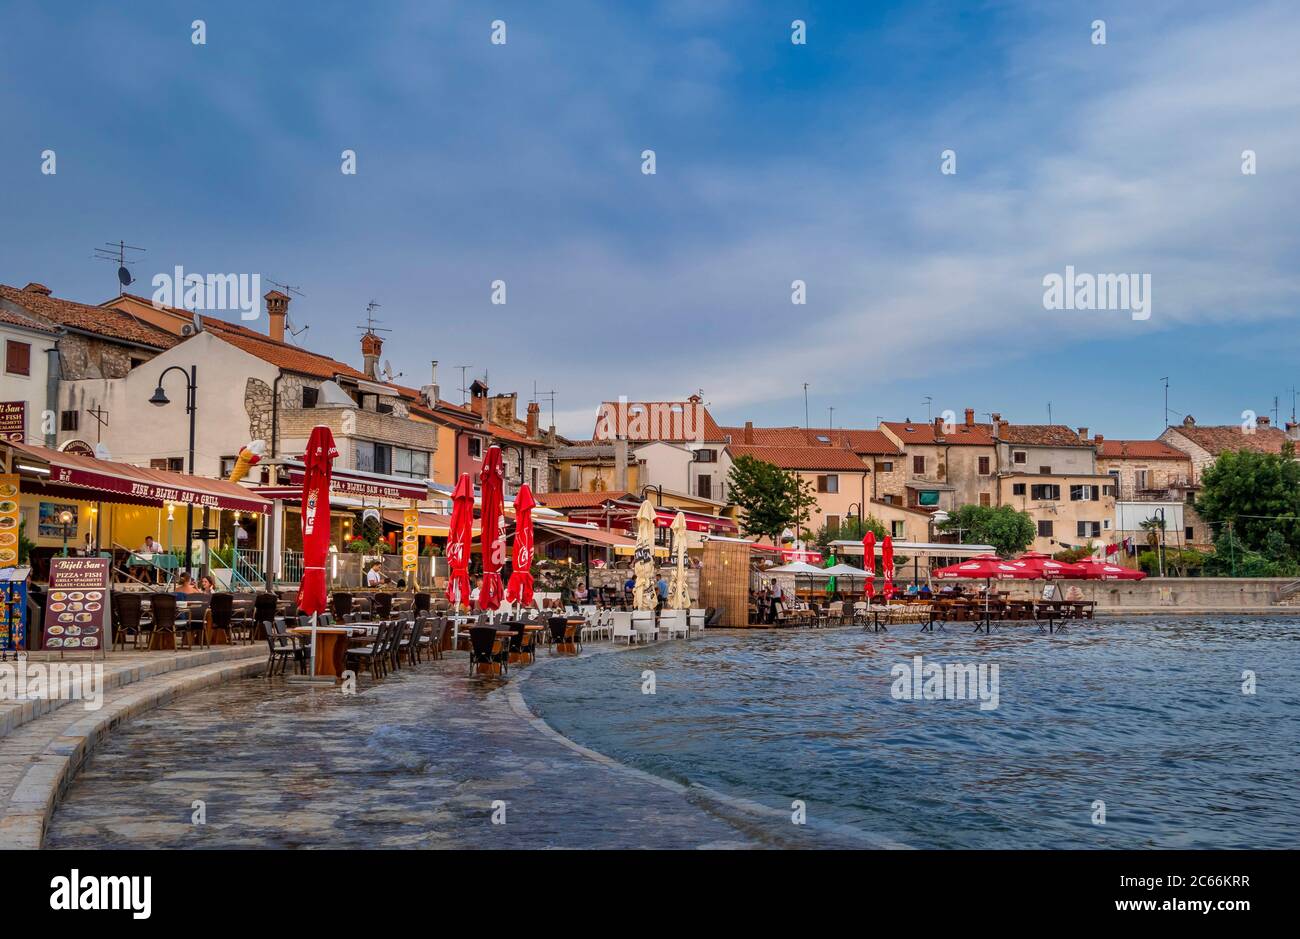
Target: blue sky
{"points": [[819, 162]]}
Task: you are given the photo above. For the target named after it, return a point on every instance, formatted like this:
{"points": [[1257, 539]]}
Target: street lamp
{"points": [[160, 399], [66, 518]]}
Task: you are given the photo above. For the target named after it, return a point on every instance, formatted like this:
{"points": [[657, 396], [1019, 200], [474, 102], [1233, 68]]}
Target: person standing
{"points": [[777, 595]]}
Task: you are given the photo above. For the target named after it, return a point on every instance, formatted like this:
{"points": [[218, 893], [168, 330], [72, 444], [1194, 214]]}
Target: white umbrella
{"points": [[679, 594], [644, 595]]}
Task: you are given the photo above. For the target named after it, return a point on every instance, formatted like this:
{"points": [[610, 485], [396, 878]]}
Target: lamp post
{"points": [[65, 518], [659, 504], [160, 399]]}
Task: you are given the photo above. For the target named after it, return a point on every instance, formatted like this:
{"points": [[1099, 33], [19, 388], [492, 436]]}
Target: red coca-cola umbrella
{"points": [[887, 565], [1044, 567], [1094, 569], [520, 588], [869, 562], [319, 460], [460, 536], [493, 536]]}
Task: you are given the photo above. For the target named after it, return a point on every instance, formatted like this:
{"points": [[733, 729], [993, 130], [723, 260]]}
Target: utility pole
{"points": [[929, 417], [464, 390], [1166, 420], [832, 417], [807, 424]]}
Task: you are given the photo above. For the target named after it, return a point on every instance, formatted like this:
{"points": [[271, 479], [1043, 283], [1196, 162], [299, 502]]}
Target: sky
{"points": [[774, 162]]}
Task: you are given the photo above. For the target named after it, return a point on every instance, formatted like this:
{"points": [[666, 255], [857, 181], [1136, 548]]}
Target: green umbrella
{"points": [[830, 581]]}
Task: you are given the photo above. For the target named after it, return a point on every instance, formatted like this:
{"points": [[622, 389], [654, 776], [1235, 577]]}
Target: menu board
{"points": [[410, 540], [75, 607], [13, 610], [13, 421], [8, 520]]}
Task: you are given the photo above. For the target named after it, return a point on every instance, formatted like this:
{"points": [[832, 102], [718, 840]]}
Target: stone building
{"points": [[1204, 444], [945, 467]]}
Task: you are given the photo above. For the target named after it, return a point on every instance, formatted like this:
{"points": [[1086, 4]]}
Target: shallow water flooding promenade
{"points": [[1148, 717]]}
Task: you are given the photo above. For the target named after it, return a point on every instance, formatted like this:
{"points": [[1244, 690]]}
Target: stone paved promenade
{"points": [[415, 760]]}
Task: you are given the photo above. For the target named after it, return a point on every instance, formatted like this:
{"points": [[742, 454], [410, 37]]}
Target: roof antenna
{"points": [[117, 252]]}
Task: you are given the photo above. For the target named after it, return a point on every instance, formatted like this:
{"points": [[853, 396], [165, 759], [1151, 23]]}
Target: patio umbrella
{"points": [[869, 562], [830, 581], [460, 535], [520, 588], [319, 462], [887, 565], [1042, 565], [679, 594], [643, 560], [983, 567], [1094, 569], [492, 533]]}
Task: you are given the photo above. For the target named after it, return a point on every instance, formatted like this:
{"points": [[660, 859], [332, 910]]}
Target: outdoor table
{"points": [[331, 647]]}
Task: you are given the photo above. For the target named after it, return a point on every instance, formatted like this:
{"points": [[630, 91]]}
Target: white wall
{"points": [[28, 388]]}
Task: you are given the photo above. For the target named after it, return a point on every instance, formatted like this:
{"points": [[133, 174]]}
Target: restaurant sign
{"points": [[151, 491], [13, 421], [361, 488], [76, 604], [410, 540]]}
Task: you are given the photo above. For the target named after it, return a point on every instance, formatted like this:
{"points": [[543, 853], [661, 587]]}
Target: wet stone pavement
{"points": [[415, 760]]}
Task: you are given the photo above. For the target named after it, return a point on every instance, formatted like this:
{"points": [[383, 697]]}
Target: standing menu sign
{"points": [[10, 521], [13, 421], [75, 608], [410, 543]]}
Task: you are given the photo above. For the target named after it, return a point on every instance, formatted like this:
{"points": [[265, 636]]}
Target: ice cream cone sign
{"points": [[248, 456]]}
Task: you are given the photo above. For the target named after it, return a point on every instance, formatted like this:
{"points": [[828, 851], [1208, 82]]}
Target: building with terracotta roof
{"points": [[1204, 445], [838, 477], [945, 465], [30, 347]]}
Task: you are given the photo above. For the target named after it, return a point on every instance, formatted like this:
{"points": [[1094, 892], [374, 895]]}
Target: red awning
{"points": [[121, 482], [623, 516], [366, 485]]}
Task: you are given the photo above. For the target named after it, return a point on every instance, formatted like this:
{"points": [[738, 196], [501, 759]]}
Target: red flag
{"points": [[492, 536], [459, 540], [869, 561], [319, 460], [1112, 549], [887, 565], [520, 588]]}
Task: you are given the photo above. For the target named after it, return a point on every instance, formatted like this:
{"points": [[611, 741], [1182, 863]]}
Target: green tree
{"points": [[849, 529], [1009, 531], [772, 499], [1254, 494]]}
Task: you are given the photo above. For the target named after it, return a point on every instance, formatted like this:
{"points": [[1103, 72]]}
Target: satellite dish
{"points": [[124, 277]]}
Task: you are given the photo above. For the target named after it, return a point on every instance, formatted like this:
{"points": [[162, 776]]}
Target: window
{"points": [[984, 499], [68, 420], [928, 497], [984, 466], [822, 438], [896, 529], [1140, 479], [1045, 528], [706, 456], [1188, 533], [1085, 493], [918, 465], [136, 363], [310, 396], [1107, 490], [1018, 456], [1045, 492], [414, 463], [533, 474], [227, 466], [886, 467], [704, 487], [828, 484], [887, 499], [1088, 529], [383, 408], [833, 524], [1044, 471], [18, 357], [174, 464], [476, 448], [1017, 489]]}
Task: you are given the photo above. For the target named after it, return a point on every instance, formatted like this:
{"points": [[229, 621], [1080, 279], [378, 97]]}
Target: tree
{"points": [[1253, 494], [772, 499], [850, 528], [1009, 531]]}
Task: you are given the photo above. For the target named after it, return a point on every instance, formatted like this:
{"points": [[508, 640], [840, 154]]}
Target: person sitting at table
{"points": [[473, 593], [146, 551], [375, 576], [186, 585], [207, 584], [580, 594], [925, 592]]}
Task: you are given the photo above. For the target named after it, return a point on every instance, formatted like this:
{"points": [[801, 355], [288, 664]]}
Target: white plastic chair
{"points": [[643, 621], [673, 623], [695, 622], [621, 627]]}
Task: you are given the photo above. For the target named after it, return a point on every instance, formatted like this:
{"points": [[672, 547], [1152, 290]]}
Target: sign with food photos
{"points": [[410, 539], [75, 610], [9, 520]]}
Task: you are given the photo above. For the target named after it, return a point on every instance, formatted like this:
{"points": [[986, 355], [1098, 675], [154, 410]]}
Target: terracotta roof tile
{"points": [[109, 322], [1139, 450], [803, 458], [859, 441], [974, 435], [1042, 435], [712, 433], [27, 321], [1220, 439], [579, 500]]}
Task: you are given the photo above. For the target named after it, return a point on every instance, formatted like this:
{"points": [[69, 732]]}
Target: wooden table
{"points": [[331, 648]]}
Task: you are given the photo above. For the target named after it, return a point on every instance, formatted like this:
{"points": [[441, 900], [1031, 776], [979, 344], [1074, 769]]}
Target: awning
{"points": [[592, 536], [363, 485], [432, 524], [76, 476], [623, 514]]}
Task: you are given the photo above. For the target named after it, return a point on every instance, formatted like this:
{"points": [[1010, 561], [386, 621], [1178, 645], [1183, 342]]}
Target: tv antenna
{"points": [[371, 320], [464, 389], [928, 400], [545, 394], [287, 288], [118, 252]]}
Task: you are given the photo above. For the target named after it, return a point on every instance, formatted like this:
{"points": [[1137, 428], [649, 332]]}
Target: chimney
{"points": [[1098, 438], [997, 418], [34, 287], [1083, 434], [1293, 430], [277, 308], [550, 435], [478, 397], [970, 417], [371, 346], [1003, 426], [938, 428], [534, 413], [431, 392], [749, 432], [1262, 421], [1189, 421]]}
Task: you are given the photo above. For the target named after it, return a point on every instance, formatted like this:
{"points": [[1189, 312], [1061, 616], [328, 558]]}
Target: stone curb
{"points": [[46, 780]]}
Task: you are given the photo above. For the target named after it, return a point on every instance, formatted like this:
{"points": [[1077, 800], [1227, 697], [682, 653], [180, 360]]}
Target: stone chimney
{"points": [[478, 397], [1097, 439], [1083, 434], [34, 287], [277, 309], [749, 433], [432, 392], [938, 428], [970, 417], [1003, 426], [371, 347], [534, 414], [1293, 430], [997, 418], [1263, 421], [1189, 421]]}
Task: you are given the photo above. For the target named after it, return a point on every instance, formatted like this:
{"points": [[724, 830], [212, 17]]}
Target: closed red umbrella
{"points": [[319, 460], [492, 535], [1093, 569], [520, 588], [1043, 566], [459, 540], [869, 562], [887, 565]]}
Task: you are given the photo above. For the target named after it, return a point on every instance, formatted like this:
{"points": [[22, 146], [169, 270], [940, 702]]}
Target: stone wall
{"points": [[82, 357], [257, 404]]}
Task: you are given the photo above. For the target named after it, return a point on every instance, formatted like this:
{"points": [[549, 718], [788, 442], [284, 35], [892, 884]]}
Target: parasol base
{"points": [[312, 680]]}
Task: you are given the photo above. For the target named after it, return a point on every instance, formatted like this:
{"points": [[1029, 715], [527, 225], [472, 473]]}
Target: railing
{"points": [[291, 567]]}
